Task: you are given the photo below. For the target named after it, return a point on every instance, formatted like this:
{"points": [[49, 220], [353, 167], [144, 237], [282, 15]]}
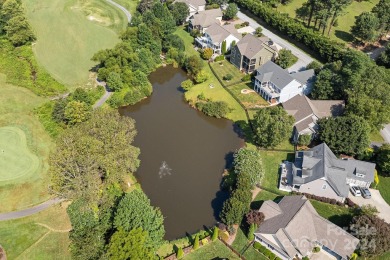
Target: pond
{"points": [[183, 155]]}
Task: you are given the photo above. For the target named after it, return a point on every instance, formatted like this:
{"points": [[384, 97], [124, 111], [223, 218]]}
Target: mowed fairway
{"points": [[16, 160], [70, 32], [26, 146]]}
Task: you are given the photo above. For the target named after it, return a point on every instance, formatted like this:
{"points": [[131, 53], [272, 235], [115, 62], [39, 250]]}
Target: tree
{"points": [[114, 81], [366, 27], [201, 76], [259, 31], [376, 178], [231, 11], [215, 234], [196, 242], [236, 207], [304, 140], [286, 59], [180, 12], [179, 253], [223, 49], [130, 245], [145, 5], [82, 96], [315, 65], [255, 217], [383, 158], [382, 11], [216, 109], [19, 31], [91, 157], [272, 126], [134, 211], [344, 134], [77, 112], [248, 162], [187, 84], [384, 58], [193, 64], [207, 53], [58, 113], [373, 233]]}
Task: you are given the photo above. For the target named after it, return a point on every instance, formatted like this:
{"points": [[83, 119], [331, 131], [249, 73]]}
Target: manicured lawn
{"points": [[345, 22], [384, 188], [16, 111], [213, 250], [250, 99], [240, 244], [338, 215], [70, 32], [271, 161], [223, 68], [130, 5], [375, 136], [26, 238], [217, 92]]}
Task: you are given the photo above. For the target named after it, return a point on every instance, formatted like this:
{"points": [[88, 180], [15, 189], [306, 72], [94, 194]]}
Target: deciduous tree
{"points": [[286, 59], [77, 112], [231, 11], [180, 12], [383, 158], [248, 162], [366, 27], [272, 126]]}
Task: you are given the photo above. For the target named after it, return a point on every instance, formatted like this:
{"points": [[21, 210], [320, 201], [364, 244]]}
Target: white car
{"points": [[355, 191]]}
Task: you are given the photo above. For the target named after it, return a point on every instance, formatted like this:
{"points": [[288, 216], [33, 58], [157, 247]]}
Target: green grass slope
{"points": [[16, 113], [69, 32]]}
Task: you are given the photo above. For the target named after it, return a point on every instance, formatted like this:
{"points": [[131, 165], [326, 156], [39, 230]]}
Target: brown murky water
{"points": [[183, 154]]}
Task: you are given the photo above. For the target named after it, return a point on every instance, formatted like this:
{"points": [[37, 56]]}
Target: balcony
{"points": [[269, 90], [203, 42]]}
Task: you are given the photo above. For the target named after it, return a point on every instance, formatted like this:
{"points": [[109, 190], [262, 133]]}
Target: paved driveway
{"points": [[377, 201], [303, 58]]}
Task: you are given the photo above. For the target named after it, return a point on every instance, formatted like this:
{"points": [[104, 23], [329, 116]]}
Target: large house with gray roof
{"points": [[203, 20], [277, 85], [252, 52], [215, 35], [318, 171], [292, 228], [306, 112], [194, 6]]}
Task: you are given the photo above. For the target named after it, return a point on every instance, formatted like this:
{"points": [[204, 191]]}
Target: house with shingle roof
{"points": [[292, 228], [194, 6], [277, 85], [215, 35], [306, 112], [319, 172], [203, 20], [252, 52]]}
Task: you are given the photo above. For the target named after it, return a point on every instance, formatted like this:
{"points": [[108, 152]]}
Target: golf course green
{"points": [[70, 32], [16, 160]]}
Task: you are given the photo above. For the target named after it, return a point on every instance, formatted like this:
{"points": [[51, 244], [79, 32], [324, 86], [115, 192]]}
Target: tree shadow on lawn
{"points": [[342, 221], [255, 205], [345, 36]]}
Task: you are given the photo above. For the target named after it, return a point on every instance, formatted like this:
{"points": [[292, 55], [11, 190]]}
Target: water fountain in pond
{"points": [[164, 170]]}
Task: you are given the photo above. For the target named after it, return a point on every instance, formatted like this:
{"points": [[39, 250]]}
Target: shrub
{"points": [[316, 249], [201, 76], [115, 100], [228, 77], [251, 232], [202, 97], [219, 58], [376, 178], [286, 59], [204, 241], [216, 109], [247, 77], [224, 235], [196, 242], [187, 84], [304, 140], [305, 258], [215, 234], [179, 253]]}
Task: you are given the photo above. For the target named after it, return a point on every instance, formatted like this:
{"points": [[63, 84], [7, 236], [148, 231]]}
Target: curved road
{"points": [[46, 204], [303, 58], [127, 13], [29, 211]]}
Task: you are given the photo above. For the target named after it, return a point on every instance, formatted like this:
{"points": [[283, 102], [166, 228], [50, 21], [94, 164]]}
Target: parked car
{"points": [[365, 193], [355, 191]]}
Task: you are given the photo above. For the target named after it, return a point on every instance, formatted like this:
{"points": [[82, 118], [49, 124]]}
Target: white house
{"points": [[276, 85], [215, 35], [194, 6]]}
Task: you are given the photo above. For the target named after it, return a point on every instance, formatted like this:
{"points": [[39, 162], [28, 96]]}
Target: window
{"points": [[324, 186], [360, 175]]}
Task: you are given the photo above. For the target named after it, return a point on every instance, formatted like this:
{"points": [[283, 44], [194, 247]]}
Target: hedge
{"points": [[327, 49]]}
